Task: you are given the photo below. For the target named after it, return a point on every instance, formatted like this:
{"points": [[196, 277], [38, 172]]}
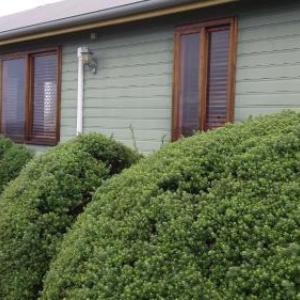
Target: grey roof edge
{"points": [[102, 15]]}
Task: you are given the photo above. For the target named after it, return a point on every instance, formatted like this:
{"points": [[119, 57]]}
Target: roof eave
{"points": [[104, 19]]}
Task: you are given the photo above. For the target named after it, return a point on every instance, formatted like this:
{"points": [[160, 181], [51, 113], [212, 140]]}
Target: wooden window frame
{"points": [[28, 56], [202, 28]]}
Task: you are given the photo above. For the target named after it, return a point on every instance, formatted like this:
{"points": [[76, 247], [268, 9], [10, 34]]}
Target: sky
{"points": [[12, 6]]}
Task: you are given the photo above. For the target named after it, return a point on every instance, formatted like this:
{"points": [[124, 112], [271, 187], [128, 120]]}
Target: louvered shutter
{"points": [[217, 80], [44, 98], [13, 98]]}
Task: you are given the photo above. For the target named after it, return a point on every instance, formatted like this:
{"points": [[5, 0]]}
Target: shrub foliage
{"points": [[13, 158], [39, 206], [214, 216]]}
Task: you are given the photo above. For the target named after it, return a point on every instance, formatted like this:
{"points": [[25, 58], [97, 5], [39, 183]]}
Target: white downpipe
{"points": [[80, 91], [85, 57]]}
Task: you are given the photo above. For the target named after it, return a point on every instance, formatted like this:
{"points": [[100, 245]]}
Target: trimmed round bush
{"points": [[39, 206], [214, 216], [13, 158]]}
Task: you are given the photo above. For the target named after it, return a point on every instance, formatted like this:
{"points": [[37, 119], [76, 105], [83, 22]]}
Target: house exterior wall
{"points": [[268, 62], [132, 88], [133, 85]]}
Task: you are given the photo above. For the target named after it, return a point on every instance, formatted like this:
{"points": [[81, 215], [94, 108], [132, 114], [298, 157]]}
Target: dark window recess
{"points": [[189, 97], [13, 98]]}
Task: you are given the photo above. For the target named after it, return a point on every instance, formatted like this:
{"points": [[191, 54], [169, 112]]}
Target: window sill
{"points": [[41, 142], [33, 142]]}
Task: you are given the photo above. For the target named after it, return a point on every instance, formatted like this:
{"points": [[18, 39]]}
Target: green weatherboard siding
{"points": [[133, 85]]}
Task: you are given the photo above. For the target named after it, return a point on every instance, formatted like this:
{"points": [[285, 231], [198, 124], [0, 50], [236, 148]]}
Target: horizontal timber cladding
{"points": [[268, 62], [133, 85], [131, 94]]}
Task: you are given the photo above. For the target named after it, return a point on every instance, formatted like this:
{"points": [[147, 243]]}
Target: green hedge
{"points": [[13, 158], [39, 206], [214, 216]]}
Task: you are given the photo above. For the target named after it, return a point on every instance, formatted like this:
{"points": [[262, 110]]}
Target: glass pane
{"points": [[13, 98], [44, 96], [217, 77], [189, 90]]}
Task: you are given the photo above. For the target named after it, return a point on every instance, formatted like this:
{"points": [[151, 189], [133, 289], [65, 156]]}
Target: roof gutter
{"points": [[115, 16]]}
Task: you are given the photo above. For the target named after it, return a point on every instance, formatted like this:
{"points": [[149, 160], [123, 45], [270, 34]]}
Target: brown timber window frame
{"points": [[197, 77], [51, 92]]}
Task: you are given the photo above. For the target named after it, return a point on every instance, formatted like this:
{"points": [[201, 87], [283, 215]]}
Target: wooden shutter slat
{"points": [[217, 83], [44, 104]]}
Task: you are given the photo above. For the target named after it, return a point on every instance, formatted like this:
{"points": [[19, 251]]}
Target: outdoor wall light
{"points": [[88, 59]]}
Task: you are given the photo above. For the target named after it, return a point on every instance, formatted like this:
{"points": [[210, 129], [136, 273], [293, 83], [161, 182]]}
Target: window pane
{"points": [[217, 88], [189, 95], [13, 98], [44, 96]]}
